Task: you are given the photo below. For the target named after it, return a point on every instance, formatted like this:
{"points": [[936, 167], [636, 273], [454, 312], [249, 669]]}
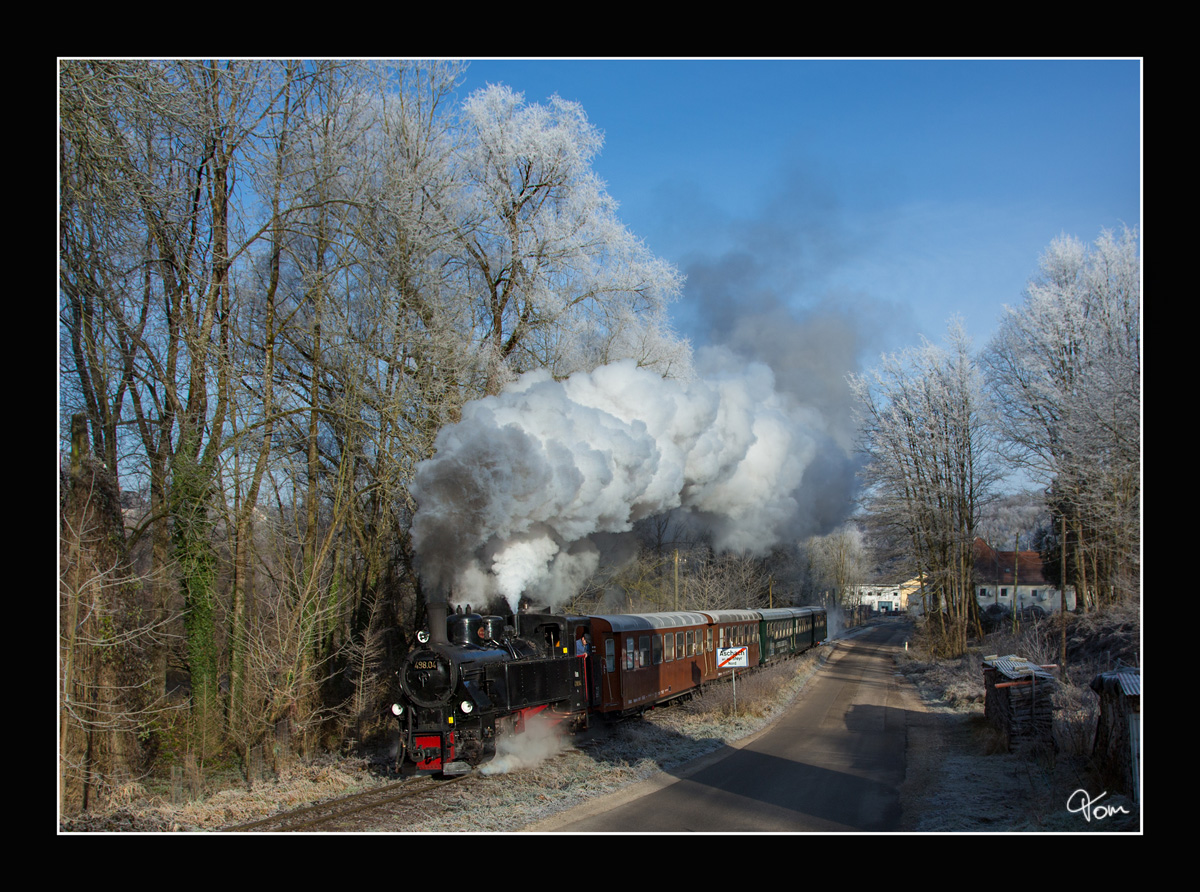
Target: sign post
{"points": [[733, 658]]}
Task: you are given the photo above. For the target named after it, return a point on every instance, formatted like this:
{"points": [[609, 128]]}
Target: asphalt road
{"points": [[833, 763]]}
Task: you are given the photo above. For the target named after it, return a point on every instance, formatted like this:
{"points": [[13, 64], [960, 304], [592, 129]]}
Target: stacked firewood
{"points": [[1019, 699]]}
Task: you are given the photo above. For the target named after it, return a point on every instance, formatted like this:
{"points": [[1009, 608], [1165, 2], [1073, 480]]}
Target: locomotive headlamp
{"points": [[423, 636], [397, 709], [467, 707]]}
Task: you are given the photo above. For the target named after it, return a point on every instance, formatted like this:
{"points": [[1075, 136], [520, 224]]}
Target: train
{"points": [[472, 679]]}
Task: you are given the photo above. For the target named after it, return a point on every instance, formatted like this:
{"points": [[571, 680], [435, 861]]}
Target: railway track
{"points": [[335, 814]]}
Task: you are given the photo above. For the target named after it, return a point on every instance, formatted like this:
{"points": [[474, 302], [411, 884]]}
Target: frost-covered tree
{"points": [[838, 560], [150, 235], [1064, 371], [930, 468], [552, 277]]}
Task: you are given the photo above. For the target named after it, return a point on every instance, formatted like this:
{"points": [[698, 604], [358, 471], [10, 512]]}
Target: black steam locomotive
{"points": [[476, 678]]}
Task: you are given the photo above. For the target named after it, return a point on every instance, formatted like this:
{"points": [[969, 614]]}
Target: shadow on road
{"points": [[790, 785]]}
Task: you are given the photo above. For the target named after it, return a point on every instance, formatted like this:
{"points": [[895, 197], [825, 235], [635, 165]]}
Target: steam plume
{"points": [[540, 741], [517, 491]]}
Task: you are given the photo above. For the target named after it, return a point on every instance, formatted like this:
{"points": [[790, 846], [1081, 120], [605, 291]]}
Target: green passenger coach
{"points": [[786, 631]]}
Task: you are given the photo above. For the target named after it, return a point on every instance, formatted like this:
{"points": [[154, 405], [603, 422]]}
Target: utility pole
{"points": [[1016, 562], [677, 579]]}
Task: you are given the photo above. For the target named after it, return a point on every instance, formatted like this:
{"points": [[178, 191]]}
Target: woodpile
{"points": [[1019, 699]]}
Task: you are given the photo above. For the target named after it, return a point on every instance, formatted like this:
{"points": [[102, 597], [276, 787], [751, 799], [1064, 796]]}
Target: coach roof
{"points": [[628, 622]]}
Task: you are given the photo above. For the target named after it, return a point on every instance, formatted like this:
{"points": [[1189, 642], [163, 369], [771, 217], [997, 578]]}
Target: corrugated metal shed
{"points": [[1127, 680], [1013, 668], [1118, 747]]}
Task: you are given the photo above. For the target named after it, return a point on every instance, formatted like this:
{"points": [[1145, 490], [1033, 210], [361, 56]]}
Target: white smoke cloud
{"points": [[541, 740], [515, 490]]}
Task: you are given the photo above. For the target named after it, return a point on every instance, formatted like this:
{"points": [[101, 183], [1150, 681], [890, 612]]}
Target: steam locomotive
{"points": [[473, 679]]}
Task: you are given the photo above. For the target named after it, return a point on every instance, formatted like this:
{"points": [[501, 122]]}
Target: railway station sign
{"points": [[733, 657]]}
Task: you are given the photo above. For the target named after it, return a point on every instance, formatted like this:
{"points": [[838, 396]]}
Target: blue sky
{"points": [[901, 192]]}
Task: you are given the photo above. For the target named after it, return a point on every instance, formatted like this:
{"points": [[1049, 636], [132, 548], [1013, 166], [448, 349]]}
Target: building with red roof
{"points": [[1015, 580]]}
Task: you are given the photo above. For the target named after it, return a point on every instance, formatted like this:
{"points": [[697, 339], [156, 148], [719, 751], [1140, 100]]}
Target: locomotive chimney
{"points": [[435, 612]]}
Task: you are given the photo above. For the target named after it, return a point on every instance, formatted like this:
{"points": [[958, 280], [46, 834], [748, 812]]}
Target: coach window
{"points": [[658, 649], [610, 654], [629, 652], [643, 651], [669, 647]]}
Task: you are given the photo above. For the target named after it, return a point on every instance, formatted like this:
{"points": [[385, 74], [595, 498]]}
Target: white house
{"points": [[891, 598], [1014, 579]]}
